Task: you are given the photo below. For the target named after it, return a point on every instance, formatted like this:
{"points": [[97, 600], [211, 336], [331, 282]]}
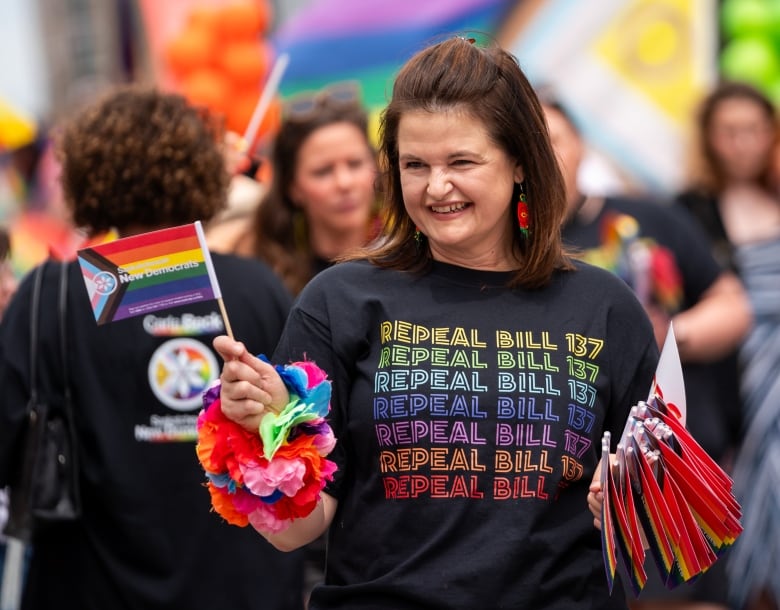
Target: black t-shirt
{"points": [[148, 538], [468, 417], [711, 389], [666, 225], [703, 207]]}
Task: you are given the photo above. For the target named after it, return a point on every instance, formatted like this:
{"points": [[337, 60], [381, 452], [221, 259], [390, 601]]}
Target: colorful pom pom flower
{"points": [[271, 478]]}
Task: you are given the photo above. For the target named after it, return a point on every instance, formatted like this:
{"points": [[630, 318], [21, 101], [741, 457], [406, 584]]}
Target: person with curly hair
{"points": [[135, 161]]}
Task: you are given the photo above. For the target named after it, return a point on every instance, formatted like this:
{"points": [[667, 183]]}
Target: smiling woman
{"points": [[462, 480], [457, 186]]}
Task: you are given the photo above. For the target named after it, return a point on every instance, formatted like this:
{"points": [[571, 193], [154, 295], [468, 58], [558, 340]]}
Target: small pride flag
{"points": [[148, 272], [680, 496]]}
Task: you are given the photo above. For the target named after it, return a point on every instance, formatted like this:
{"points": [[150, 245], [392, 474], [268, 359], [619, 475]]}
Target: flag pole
{"points": [[213, 277], [228, 330], [250, 136], [270, 89]]}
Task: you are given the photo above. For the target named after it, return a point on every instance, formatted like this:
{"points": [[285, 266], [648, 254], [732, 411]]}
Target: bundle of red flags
{"points": [[662, 492]]}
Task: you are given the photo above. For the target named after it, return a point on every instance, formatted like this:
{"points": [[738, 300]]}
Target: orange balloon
{"points": [[241, 108], [244, 19], [205, 17], [245, 62], [192, 49], [207, 87], [239, 111]]}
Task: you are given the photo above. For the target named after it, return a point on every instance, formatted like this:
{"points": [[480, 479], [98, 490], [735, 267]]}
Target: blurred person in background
{"points": [[321, 202], [136, 161], [8, 285], [8, 280], [664, 256], [733, 193]]}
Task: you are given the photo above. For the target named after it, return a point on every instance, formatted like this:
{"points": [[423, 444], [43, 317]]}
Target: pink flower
{"points": [[265, 521], [314, 374], [283, 474], [325, 441]]}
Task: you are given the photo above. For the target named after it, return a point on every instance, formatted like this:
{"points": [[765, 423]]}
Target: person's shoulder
{"points": [[644, 206], [695, 194], [236, 272], [700, 202], [595, 280], [346, 271], [660, 215], [352, 280], [238, 264], [595, 289], [584, 271]]}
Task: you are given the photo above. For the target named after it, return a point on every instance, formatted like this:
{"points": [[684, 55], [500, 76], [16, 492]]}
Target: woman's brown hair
{"points": [[488, 84], [281, 236]]}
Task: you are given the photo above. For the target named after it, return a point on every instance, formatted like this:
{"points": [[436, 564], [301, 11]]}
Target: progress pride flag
{"points": [[148, 272]]}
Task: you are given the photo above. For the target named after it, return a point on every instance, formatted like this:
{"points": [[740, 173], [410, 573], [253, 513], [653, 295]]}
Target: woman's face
{"points": [[457, 187], [742, 137], [334, 179]]}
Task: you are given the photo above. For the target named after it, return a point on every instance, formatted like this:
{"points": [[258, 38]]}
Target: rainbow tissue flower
{"points": [[271, 478]]}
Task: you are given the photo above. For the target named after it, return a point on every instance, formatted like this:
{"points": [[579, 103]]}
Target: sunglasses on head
{"points": [[303, 105]]}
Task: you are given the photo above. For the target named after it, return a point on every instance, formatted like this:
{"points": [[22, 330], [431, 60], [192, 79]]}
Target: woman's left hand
{"points": [[596, 497]]}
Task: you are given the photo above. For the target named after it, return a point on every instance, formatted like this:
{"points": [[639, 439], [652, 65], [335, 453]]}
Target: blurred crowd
{"points": [[310, 197]]}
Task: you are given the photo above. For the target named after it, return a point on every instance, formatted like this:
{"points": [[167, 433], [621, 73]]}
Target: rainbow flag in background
{"points": [[148, 272]]}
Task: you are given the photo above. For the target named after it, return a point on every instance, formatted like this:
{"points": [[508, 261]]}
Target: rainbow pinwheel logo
{"points": [[105, 283]]}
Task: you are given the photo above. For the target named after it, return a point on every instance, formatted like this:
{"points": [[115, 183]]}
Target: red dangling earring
{"points": [[523, 219]]}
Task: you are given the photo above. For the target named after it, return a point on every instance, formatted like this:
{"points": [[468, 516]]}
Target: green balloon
{"points": [[747, 17], [774, 29], [752, 59], [773, 90]]}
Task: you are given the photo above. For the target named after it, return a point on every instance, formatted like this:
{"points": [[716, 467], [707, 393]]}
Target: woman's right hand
{"points": [[250, 387]]}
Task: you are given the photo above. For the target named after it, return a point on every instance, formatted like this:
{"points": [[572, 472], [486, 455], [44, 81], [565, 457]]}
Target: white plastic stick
{"points": [[13, 573], [270, 89]]}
